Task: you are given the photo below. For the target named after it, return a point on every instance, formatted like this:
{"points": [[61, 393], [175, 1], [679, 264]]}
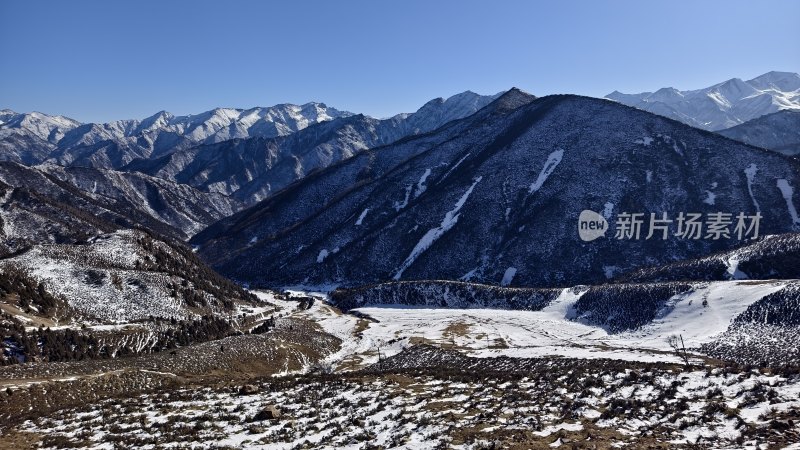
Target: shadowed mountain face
{"points": [[53, 204], [495, 197], [779, 131]]}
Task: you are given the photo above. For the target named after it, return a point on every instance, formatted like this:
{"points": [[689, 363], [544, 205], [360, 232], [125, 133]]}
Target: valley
{"points": [[299, 276], [466, 378]]}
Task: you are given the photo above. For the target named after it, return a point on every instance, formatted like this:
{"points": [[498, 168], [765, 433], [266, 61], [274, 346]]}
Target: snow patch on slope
{"points": [[549, 166], [398, 205], [455, 166], [362, 216], [508, 276], [787, 191], [421, 187], [710, 199], [608, 208], [750, 172], [733, 269], [433, 234]]}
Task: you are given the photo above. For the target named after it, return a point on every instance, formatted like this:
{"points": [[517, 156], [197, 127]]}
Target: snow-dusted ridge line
{"points": [[723, 105]]}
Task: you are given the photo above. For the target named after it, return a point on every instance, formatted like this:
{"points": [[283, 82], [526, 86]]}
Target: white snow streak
{"points": [[397, 205], [455, 166], [787, 191], [549, 167], [750, 172], [421, 183], [322, 255], [433, 234], [733, 270], [508, 276], [362, 216]]}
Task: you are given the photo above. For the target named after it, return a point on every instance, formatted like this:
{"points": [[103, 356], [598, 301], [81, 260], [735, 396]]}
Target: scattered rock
{"points": [[270, 412], [248, 389]]}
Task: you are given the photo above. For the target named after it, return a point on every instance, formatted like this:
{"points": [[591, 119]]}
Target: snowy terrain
{"points": [[723, 105], [699, 316], [117, 278], [555, 404]]}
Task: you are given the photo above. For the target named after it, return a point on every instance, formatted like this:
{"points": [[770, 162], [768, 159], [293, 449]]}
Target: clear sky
{"points": [[106, 60]]}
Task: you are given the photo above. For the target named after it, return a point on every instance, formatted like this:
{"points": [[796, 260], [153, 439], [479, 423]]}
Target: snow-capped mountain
{"points": [[496, 197], [35, 137], [30, 138], [723, 105], [252, 151], [113, 144], [43, 126], [778, 131], [252, 169]]}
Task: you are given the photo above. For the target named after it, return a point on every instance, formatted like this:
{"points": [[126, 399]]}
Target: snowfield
{"points": [[700, 316]]}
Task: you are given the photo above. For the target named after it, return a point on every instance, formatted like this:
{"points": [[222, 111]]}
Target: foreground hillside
{"points": [[116, 294], [438, 392], [566, 404]]}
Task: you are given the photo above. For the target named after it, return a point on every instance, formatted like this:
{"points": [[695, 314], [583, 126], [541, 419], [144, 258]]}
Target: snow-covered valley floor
{"points": [[400, 377], [698, 317]]}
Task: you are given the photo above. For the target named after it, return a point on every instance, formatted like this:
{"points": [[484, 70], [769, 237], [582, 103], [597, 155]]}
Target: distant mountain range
{"points": [[495, 197], [258, 150], [722, 105], [333, 189], [252, 169], [114, 144]]}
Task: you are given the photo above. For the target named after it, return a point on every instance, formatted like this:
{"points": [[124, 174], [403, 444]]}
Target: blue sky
{"points": [[105, 60]]}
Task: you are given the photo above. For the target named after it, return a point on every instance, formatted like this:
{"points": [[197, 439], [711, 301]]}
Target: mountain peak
{"points": [[721, 105], [781, 81], [512, 99]]}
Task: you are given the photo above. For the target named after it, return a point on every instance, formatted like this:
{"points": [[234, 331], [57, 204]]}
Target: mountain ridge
{"points": [[375, 190], [721, 105]]}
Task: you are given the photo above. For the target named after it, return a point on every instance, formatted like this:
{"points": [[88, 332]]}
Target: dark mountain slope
{"points": [[770, 257], [51, 204], [496, 197], [778, 131]]}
